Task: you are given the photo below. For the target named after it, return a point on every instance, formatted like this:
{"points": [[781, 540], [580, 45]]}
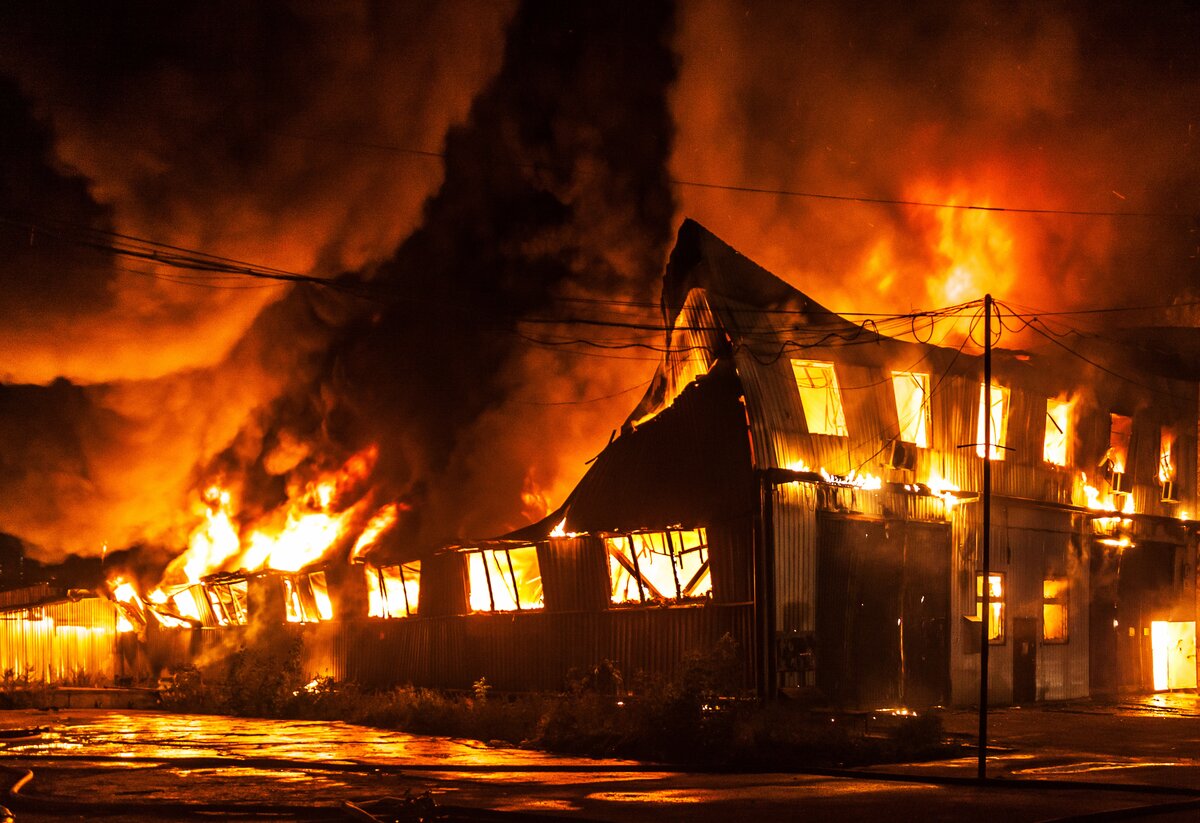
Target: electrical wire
{"points": [[586, 400], [774, 192]]}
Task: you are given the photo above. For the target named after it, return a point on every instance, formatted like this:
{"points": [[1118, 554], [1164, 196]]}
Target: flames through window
{"points": [[912, 407], [656, 566], [504, 579], [393, 591], [997, 409], [820, 397]]}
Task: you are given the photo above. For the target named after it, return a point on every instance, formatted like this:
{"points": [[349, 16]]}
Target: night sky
{"points": [[472, 177]]}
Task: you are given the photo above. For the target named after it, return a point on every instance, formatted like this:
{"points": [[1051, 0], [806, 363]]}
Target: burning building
{"points": [[812, 488], [802, 483]]}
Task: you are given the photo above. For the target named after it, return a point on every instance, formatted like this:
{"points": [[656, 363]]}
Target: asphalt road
{"points": [[1056, 762]]}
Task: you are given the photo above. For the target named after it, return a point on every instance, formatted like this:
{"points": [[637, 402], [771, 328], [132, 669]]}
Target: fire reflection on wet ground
{"points": [[135, 759]]}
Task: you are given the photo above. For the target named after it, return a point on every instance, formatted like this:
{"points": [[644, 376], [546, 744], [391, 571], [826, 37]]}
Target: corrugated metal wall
{"points": [[795, 530], [64, 643], [526, 651], [537, 650], [1029, 543], [574, 573]]}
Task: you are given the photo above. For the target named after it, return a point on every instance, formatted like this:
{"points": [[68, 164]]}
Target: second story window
{"points": [[1058, 432], [1166, 464], [820, 397], [912, 406], [997, 407], [1116, 459]]}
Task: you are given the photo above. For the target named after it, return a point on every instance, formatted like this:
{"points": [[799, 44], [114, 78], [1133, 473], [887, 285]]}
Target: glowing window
{"points": [[320, 596], [995, 606], [820, 397], [393, 591], [999, 417], [228, 601], [293, 604], [1058, 432], [504, 579], [671, 565], [1166, 456], [1121, 432], [912, 406], [1054, 609]]}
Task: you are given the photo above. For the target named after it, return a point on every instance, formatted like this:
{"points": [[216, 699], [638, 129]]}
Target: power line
{"points": [[775, 192], [586, 400]]}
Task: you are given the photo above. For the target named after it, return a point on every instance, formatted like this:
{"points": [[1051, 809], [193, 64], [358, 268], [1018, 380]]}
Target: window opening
{"points": [[393, 591], [911, 390], [504, 579], [995, 606], [320, 596], [998, 410], [1116, 459], [1166, 464], [1054, 609], [658, 566], [820, 397], [1058, 426]]}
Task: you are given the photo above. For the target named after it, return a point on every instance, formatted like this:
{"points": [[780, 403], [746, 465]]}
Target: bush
{"points": [[696, 718]]}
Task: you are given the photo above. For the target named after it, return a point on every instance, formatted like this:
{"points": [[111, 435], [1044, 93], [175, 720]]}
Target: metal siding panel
{"points": [[67, 642], [795, 573], [537, 650]]}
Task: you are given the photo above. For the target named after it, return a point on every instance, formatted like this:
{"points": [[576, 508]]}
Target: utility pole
{"points": [[987, 534]]}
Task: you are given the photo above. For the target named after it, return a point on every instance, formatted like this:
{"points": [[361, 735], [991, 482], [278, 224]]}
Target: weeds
{"points": [[696, 718]]}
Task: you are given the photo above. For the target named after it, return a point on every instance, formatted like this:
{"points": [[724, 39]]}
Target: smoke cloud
{"points": [[279, 135], [243, 132], [1062, 106]]}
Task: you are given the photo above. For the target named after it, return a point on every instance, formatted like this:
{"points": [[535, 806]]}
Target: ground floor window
{"points": [[228, 602], [996, 591], [656, 566], [393, 591], [1054, 609], [306, 597], [504, 579]]}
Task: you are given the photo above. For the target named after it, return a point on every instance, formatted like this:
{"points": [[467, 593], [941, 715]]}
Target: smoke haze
{"points": [[279, 134]]}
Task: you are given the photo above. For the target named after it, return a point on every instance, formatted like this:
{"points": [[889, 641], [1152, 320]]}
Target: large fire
{"points": [[971, 252], [320, 515]]}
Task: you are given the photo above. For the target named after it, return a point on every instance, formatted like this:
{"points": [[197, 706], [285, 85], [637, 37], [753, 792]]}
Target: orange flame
{"points": [[317, 517], [379, 523]]}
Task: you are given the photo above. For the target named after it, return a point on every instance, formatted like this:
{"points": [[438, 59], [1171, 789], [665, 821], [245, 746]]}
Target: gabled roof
{"points": [[684, 455]]}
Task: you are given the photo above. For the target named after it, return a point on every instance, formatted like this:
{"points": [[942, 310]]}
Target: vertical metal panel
{"points": [[574, 573], [795, 508], [731, 558], [443, 584], [64, 642], [538, 650]]}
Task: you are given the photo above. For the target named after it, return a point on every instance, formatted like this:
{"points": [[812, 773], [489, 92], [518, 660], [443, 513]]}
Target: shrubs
{"points": [[697, 717], [261, 678]]}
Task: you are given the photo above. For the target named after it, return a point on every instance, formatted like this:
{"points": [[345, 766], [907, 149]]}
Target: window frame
{"points": [[833, 404], [1002, 602], [381, 585], [924, 432], [1064, 431], [484, 556], [1063, 600], [999, 432], [624, 553]]}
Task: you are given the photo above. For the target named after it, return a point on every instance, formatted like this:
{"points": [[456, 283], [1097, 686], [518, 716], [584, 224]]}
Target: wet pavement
{"points": [[1052, 762]]}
